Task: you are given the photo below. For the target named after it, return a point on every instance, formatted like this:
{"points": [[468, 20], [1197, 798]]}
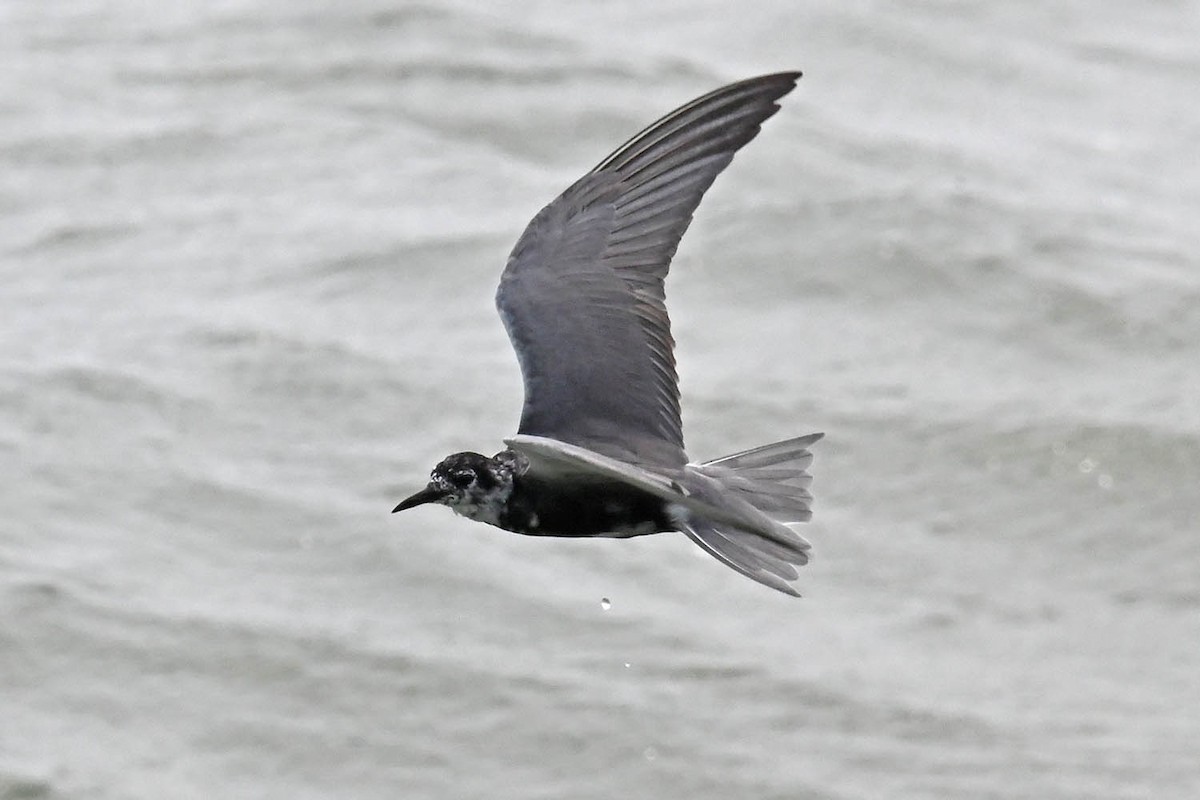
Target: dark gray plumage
{"points": [[582, 294], [599, 449]]}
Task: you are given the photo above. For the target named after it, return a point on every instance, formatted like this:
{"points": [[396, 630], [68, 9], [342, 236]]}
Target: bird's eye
{"points": [[462, 478]]}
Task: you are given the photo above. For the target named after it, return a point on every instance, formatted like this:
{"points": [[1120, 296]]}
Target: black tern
{"points": [[599, 449]]}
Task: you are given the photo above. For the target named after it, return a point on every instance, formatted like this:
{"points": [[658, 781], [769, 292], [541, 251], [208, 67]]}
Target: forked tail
{"points": [[768, 487]]}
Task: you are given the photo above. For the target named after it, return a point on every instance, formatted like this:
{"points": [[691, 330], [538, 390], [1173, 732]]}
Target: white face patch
{"points": [[481, 506], [473, 486]]}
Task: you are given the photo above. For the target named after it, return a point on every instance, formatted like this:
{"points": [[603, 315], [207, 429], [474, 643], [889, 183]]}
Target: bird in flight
{"points": [[599, 449]]}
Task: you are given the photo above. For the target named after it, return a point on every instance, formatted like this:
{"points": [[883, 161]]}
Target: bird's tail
{"points": [[767, 487]]}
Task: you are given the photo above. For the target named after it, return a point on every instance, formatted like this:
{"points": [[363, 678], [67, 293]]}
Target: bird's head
{"points": [[469, 483]]}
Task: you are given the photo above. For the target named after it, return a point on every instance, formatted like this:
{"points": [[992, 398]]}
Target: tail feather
{"points": [[773, 478], [723, 545], [769, 487], [793, 452]]}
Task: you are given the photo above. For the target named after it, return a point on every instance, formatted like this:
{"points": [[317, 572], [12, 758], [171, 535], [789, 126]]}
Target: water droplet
{"points": [[1104, 481], [605, 603], [650, 753], [1087, 465]]}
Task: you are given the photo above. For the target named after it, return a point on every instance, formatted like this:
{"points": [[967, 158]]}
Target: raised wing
{"points": [[582, 294]]}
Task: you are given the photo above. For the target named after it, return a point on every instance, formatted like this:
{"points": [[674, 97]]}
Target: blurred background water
{"points": [[248, 258]]}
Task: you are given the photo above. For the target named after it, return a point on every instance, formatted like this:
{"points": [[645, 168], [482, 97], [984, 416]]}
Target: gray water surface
{"points": [[248, 257]]}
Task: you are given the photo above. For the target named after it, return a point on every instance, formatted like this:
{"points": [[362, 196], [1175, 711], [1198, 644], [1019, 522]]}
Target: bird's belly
{"points": [[609, 512], [630, 529]]}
